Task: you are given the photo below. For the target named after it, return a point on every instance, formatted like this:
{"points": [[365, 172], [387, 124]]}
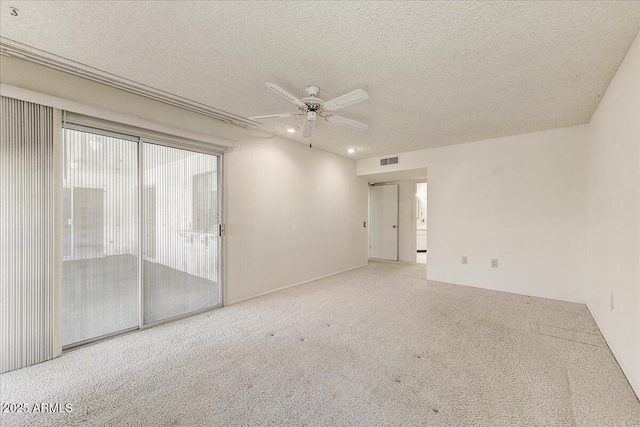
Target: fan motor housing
{"points": [[312, 101]]}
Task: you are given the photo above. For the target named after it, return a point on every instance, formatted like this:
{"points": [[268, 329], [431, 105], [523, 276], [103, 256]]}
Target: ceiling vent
{"points": [[389, 161]]}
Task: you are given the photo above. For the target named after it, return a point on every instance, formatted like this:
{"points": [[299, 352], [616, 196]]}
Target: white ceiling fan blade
{"points": [[308, 128], [272, 116], [286, 95], [350, 98], [353, 124]]}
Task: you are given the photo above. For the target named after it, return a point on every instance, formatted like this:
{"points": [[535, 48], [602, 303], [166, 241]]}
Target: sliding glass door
{"points": [[100, 234], [180, 232], [118, 191]]}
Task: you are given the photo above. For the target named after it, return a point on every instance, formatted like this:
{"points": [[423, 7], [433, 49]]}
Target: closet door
{"points": [[180, 232], [100, 264]]}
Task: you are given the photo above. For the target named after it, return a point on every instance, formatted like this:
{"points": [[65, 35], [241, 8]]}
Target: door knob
{"points": [[394, 226]]}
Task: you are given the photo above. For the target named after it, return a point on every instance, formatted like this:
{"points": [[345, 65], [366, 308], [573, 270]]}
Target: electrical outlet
{"points": [[465, 260], [610, 300], [494, 263]]}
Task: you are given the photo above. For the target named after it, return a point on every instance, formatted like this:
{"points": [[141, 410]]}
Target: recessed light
{"points": [[351, 150], [291, 129]]}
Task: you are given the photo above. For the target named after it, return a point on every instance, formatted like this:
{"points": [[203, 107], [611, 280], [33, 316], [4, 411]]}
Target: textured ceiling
{"points": [[436, 73]]}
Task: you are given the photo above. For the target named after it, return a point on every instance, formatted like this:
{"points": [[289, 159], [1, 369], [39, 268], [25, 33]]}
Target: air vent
{"points": [[389, 161]]}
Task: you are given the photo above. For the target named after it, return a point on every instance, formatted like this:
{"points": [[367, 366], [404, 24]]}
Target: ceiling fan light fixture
{"points": [[313, 107]]}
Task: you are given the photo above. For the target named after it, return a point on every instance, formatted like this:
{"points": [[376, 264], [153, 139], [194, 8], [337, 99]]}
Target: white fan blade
{"points": [[272, 116], [347, 122], [308, 127], [350, 98], [286, 95]]}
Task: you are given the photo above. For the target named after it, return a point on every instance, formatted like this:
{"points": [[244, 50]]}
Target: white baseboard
{"points": [[295, 284], [635, 386]]}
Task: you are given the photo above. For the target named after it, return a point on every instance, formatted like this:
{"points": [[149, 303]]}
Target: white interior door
{"points": [[384, 222]]}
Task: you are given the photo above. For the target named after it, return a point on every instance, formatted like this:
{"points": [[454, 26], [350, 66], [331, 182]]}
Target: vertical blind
{"points": [[180, 245], [99, 235], [26, 234], [93, 253]]}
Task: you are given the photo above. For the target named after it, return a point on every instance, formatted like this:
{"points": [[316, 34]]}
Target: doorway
{"points": [[134, 258], [384, 222], [421, 222], [99, 268], [183, 276]]}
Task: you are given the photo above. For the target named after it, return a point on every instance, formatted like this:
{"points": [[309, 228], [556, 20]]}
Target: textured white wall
{"points": [[520, 199], [614, 215], [293, 214]]}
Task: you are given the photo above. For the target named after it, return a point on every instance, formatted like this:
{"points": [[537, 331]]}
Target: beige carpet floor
{"points": [[379, 345]]}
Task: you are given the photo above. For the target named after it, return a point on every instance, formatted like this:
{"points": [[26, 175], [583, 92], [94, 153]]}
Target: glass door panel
{"points": [[100, 262], [180, 235]]}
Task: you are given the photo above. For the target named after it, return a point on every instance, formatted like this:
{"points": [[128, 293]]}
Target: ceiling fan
{"points": [[312, 107]]}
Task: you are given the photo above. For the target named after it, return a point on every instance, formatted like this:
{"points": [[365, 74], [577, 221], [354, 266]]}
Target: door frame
{"points": [[397, 219], [213, 151], [142, 136], [415, 224]]}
